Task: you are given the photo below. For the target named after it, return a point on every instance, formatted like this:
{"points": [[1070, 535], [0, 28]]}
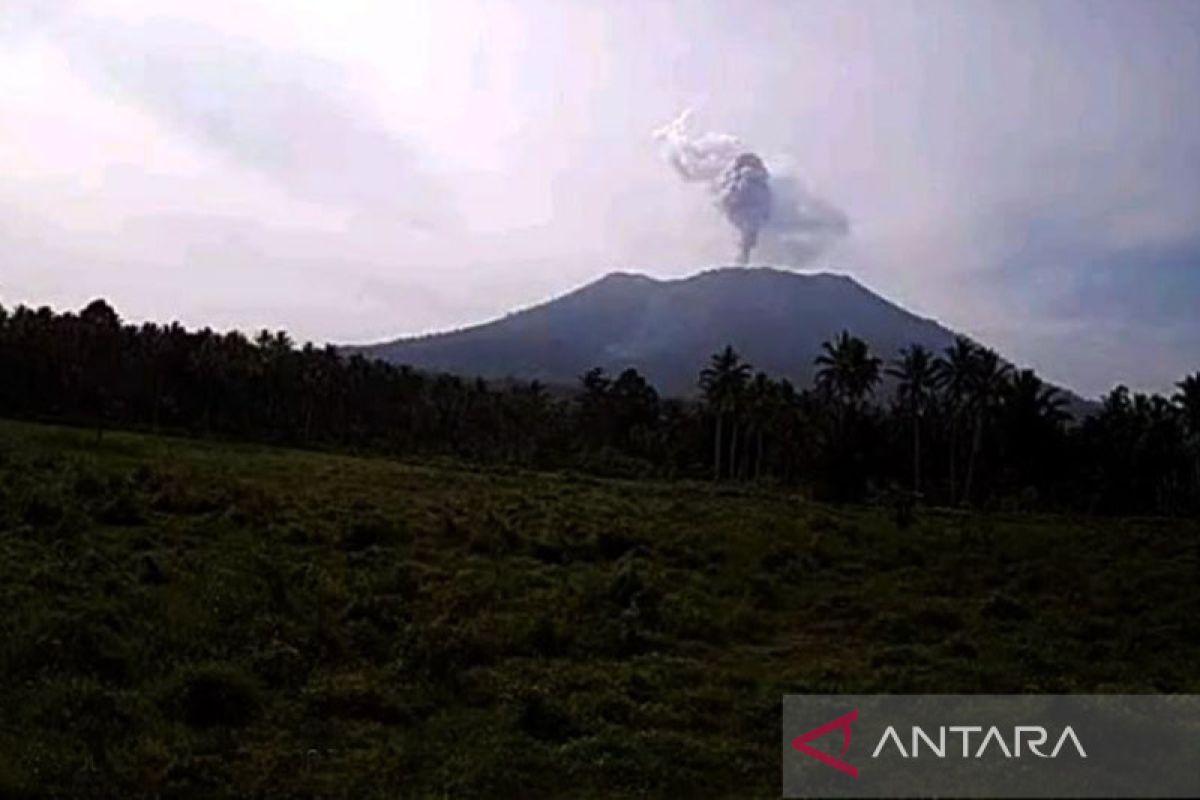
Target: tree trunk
{"points": [[953, 457], [1196, 468], [976, 444], [717, 450], [916, 454], [157, 383], [758, 456], [733, 437]]}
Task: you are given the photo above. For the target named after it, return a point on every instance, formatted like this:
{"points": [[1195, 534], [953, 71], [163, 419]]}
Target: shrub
{"points": [[542, 719], [42, 509], [123, 509], [357, 697], [546, 638], [214, 695], [1003, 608], [370, 530]]}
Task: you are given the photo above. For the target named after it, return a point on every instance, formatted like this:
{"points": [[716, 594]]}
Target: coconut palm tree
{"points": [[723, 382], [915, 370], [1187, 399], [954, 371], [987, 386], [1031, 400], [764, 399], [846, 370], [1032, 420], [846, 374]]}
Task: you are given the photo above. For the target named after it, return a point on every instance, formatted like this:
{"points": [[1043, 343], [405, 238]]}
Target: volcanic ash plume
{"points": [[794, 223], [744, 194]]}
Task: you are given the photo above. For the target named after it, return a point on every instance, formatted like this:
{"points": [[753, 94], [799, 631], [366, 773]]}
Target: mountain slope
{"points": [[667, 329]]}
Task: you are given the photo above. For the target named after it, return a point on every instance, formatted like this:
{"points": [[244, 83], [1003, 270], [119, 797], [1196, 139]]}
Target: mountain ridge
{"points": [[667, 328]]}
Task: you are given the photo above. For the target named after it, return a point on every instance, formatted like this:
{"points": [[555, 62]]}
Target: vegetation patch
{"points": [[185, 618]]}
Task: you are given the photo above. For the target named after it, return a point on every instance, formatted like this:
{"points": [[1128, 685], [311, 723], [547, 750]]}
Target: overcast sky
{"points": [[1025, 172]]}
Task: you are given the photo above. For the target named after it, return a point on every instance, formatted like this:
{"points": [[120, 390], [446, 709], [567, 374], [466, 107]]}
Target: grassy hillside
{"points": [[187, 618]]}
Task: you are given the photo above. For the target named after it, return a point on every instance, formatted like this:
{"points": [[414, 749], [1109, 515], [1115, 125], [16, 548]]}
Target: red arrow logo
{"points": [[801, 743]]}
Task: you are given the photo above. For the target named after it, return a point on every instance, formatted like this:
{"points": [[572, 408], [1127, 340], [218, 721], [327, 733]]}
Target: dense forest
{"points": [[960, 427]]}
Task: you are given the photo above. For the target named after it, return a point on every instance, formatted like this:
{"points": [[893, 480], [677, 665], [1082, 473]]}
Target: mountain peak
{"points": [[761, 275], [622, 276], [668, 328]]}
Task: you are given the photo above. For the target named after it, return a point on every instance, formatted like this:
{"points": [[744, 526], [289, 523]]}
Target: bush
{"points": [[14, 781], [214, 695], [543, 720], [1003, 608], [43, 509], [370, 530], [124, 509], [358, 697]]}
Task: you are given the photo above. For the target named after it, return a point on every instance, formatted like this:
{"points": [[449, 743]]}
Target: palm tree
{"points": [[1187, 399], [634, 407], [762, 402], [916, 371], [1032, 400], [846, 369], [595, 401], [1159, 460], [988, 383], [1033, 417], [954, 378], [846, 374], [723, 382]]}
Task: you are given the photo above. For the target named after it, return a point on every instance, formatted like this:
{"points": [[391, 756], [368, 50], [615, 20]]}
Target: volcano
{"points": [[667, 329]]}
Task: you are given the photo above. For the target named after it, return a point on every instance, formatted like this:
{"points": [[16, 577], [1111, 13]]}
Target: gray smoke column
{"points": [[744, 194], [776, 209]]}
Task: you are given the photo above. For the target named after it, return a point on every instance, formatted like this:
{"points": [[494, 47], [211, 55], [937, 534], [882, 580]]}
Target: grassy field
{"points": [[195, 619]]}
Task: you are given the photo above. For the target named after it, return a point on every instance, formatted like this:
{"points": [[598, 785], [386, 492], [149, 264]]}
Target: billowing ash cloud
{"points": [[774, 208], [744, 194]]}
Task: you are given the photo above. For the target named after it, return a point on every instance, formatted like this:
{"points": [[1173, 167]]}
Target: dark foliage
{"points": [[961, 428]]}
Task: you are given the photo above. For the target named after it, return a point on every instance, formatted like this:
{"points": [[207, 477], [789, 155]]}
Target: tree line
{"points": [[959, 427]]}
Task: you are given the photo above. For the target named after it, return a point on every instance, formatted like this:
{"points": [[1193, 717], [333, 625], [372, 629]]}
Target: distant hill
{"points": [[667, 329]]}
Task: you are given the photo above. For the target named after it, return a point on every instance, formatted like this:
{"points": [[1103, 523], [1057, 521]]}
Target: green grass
{"points": [[184, 618]]}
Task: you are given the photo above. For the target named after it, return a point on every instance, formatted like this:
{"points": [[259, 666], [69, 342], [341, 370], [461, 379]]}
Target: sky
{"points": [[1027, 173]]}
